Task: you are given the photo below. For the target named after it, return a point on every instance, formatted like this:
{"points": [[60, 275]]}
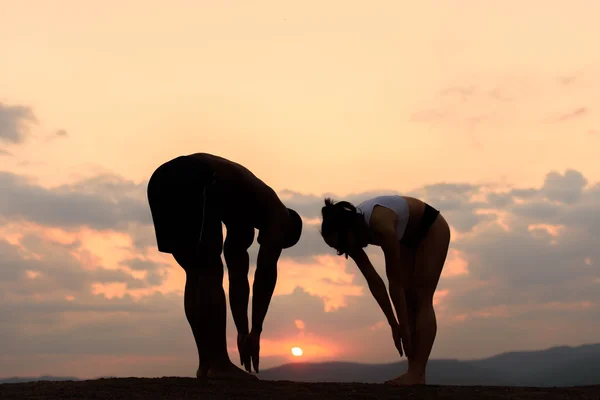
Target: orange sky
{"points": [[314, 97]]}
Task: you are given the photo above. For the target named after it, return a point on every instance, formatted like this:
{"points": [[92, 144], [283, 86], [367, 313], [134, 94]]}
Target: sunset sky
{"points": [[486, 110]]}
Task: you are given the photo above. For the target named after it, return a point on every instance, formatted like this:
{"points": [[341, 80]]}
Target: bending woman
{"points": [[414, 238]]}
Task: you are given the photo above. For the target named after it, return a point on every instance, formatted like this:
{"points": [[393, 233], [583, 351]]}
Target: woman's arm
{"points": [[384, 224], [397, 284], [376, 285]]}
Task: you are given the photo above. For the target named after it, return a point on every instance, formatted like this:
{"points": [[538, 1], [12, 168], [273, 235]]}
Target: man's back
{"points": [[245, 198]]}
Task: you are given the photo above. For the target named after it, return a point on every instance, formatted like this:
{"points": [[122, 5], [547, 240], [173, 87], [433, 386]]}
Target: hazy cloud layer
{"points": [[15, 121], [101, 203], [522, 259], [573, 114]]}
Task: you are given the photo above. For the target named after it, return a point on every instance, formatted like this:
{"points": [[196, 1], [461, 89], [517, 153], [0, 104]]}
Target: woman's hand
{"points": [[251, 351], [402, 340], [397, 338], [241, 342]]}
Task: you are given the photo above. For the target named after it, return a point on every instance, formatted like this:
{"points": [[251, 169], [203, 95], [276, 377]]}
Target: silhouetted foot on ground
{"points": [[202, 372], [230, 371], [407, 379]]}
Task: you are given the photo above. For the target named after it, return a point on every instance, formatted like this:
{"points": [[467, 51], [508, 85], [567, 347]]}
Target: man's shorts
{"points": [[180, 202]]}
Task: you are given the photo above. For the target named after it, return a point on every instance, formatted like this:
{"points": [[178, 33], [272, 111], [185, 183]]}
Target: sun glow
{"points": [[297, 351]]}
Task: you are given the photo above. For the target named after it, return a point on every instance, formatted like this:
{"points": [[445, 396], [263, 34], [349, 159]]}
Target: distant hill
{"points": [[528, 367], [37, 379], [585, 371], [440, 372], [557, 366]]}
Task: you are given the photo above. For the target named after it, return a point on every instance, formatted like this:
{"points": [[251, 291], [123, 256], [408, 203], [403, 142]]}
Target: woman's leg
{"points": [[430, 259], [412, 303], [407, 265]]}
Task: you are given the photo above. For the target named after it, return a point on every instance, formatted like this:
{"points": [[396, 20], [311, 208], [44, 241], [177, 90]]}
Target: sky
{"points": [[486, 110]]}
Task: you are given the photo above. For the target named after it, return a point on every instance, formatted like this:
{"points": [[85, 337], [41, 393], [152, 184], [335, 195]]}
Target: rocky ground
{"points": [[188, 388]]}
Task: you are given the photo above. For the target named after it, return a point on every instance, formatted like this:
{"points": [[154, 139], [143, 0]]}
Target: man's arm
{"points": [[265, 279], [239, 289], [235, 251], [376, 285]]}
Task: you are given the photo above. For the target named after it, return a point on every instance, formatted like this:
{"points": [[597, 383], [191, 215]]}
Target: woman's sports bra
{"points": [[396, 203]]}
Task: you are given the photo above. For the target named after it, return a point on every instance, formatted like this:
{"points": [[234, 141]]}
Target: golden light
{"points": [[297, 351]]}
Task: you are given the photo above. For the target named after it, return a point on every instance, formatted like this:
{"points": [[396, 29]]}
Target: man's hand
{"points": [[265, 279], [244, 357], [252, 351], [236, 255]]}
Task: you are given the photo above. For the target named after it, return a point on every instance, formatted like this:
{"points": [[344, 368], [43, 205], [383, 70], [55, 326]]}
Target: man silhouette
{"points": [[190, 197]]}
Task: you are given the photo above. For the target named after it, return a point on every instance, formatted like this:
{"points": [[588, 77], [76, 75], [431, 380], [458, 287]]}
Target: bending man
{"points": [[190, 197]]}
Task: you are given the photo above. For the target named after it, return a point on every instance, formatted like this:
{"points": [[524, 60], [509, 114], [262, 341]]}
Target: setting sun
{"points": [[297, 351]]}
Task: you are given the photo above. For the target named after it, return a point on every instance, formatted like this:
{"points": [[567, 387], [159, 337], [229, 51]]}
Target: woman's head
{"points": [[343, 227]]}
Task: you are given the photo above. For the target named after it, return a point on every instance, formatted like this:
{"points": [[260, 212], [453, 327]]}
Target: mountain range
{"points": [[557, 366]]}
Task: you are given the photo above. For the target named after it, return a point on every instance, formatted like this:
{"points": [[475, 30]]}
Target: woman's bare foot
{"points": [[230, 371], [408, 379]]}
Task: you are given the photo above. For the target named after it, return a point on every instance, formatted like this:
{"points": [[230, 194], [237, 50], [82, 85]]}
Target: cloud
{"points": [[155, 271], [88, 280], [49, 269], [569, 80], [566, 188], [454, 200], [498, 95], [467, 93], [463, 92], [550, 231], [60, 133], [15, 122], [105, 202], [429, 116], [466, 107], [139, 264], [547, 254], [5, 153], [573, 114]]}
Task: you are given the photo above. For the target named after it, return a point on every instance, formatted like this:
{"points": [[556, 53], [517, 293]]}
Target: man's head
{"points": [[343, 227], [293, 230]]}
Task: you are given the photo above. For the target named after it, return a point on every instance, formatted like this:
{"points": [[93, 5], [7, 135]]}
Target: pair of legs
{"points": [[187, 222], [425, 262], [206, 307]]}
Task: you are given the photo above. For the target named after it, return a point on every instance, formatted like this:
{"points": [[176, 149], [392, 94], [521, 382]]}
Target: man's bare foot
{"points": [[408, 379], [230, 371], [202, 372]]}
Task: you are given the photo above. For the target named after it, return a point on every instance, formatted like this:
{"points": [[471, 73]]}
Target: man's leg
{"points": [[206, 311], [211, 288], [193, 316], [430, 259], [199, 304]]}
